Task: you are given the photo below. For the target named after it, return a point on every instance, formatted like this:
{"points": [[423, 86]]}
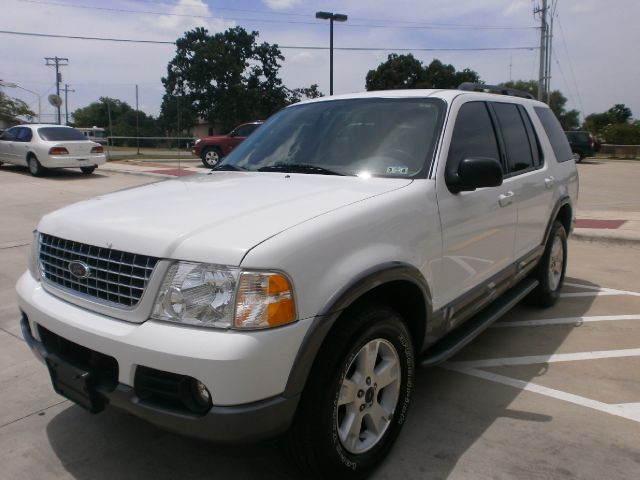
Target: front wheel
{"points": [[357, 396], [551, 269], [88, 170], [577, 157]]}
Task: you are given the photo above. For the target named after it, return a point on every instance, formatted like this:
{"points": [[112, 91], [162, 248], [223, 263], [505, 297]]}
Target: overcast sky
{"points": [[595, 62]]}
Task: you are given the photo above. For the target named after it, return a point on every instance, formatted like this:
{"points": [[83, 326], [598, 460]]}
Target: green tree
{"points": [[299, 94], [406, 71], [226, 77], [123, 119], [177, 115], [622, 133], [11, 109], [557, 102], [598, 122]]}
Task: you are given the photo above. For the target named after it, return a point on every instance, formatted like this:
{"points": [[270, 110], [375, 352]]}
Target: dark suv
{"points": [[212, 149], [583, 144]]}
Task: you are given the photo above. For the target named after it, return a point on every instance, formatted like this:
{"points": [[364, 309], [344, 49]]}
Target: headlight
{"points": [[197, 294], [208, 295], [34, 262], [198, 140]]}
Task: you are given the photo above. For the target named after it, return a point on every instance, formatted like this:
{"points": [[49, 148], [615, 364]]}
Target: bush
{"points": [[622, 133]]}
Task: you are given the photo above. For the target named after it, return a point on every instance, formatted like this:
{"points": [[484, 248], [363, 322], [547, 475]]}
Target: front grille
{"points": [[114, 277]]}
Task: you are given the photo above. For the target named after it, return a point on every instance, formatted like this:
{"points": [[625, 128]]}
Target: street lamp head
{"points": [[336, 17]]}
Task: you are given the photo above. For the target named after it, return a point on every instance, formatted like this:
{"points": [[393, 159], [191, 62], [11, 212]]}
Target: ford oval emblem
{"points": [[79, 269]]}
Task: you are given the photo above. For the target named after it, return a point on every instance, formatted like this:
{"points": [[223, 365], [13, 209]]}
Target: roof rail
{"points": [[480, 87]]}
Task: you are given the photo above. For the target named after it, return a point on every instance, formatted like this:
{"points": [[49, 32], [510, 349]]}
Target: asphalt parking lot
{"points": [[549, 393]]}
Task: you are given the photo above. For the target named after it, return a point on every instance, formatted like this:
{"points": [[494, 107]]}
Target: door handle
{"points": [[549, 182], [506, 198]]}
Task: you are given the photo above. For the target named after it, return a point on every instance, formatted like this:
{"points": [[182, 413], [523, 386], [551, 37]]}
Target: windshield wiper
{"points": [[227, 167], [298, 168]]}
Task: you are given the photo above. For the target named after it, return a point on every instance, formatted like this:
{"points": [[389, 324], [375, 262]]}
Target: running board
{"points": [[455, 340]]}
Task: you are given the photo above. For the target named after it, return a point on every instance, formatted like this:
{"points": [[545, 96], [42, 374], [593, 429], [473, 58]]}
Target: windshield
{"points": [[372, 136], [57, 134], [100, 134]]}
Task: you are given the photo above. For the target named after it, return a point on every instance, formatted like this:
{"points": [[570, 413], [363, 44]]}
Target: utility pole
{"points": [[137, 123], [543, 73], [57, 62], [66, 108]]}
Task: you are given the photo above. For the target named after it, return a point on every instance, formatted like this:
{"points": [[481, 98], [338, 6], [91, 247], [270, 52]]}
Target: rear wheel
{"points": [[35, 168], [211, 156], [357, 396], [551, 269], [88, 170]]}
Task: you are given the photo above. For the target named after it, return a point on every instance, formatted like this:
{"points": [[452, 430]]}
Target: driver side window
{"points": [[473, 136], [10, 135]]}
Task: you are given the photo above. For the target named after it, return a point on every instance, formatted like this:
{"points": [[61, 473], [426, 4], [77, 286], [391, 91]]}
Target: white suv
{"points": [[294, 289]]}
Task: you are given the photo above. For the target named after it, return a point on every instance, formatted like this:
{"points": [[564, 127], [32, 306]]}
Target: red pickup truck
{"points": [[212, 149]]}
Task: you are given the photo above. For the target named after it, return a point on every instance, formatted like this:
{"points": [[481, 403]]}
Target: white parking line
{"points": [[597, 291], [566, 320], [558, 357], [630, 411]]}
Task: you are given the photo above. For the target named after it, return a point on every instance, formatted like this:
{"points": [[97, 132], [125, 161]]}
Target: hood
{"points": [[213, 218]]}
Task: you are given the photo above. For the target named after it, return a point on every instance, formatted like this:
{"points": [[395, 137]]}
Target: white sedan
{"points": [[40, 146]]}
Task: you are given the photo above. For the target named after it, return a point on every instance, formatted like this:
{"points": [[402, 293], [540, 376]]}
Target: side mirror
{"points": [[472, 173], [234, 133]]}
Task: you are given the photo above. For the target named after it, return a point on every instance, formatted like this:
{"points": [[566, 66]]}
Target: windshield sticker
{"points": [[397, 170]]}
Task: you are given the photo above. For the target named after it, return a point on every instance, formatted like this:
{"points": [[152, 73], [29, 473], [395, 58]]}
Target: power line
{"points": [[573, 76], [283, 47], [413, 25]]}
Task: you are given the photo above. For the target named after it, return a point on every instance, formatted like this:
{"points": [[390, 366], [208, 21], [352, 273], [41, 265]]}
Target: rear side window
{"points": [[514, 134], [473, 135], [24, 135], [556, 135], [246, 130]]}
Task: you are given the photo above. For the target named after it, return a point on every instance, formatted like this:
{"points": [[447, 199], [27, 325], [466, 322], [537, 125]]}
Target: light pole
{"points": [[15, 85], [337, 17]]}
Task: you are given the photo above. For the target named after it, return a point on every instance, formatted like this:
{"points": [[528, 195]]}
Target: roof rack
{"points": [[480, 87]]}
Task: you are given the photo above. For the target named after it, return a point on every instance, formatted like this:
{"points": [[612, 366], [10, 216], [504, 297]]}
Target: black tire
{"points": [[315, 441], [211, 156], [88, 170], [35, 167], [548, 291], [578, 156]]}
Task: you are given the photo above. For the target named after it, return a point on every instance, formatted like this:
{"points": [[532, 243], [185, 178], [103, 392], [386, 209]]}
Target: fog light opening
{"points": [[201, 396]]}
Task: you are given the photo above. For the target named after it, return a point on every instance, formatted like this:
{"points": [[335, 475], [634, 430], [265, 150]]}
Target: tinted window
{"points": [[371, 136], [536, 150], [514, 134], [473, 135], [556, 135], [58, 134], [246, 130], [10, 134], [24, 135]]}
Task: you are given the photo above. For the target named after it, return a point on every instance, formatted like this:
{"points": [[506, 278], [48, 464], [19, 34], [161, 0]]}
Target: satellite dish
{"points": [[55, 100]]}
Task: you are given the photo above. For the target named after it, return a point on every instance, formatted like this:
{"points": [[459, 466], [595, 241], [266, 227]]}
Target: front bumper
{"points": [[246, 373]]}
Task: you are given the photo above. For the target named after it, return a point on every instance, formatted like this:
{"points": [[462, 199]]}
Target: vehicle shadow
{"points": [[54, 174], [590, 161], [450, 412]]}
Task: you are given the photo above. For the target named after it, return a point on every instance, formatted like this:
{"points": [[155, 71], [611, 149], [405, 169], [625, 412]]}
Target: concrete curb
{"points": [[622, 238]]}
